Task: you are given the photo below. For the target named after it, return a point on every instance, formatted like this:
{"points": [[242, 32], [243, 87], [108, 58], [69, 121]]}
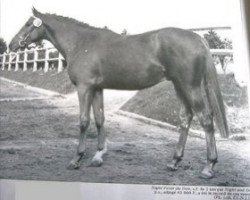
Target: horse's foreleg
{"points": [[99, 119], [85, 96], [186, 117]]}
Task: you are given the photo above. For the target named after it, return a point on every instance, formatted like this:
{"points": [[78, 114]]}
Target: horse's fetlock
{"points": [[100, 148], [178, 157], [81, 152], [213, 160]]}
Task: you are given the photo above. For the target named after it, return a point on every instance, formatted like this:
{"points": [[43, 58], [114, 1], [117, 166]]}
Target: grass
{"points": [[51, 80]]}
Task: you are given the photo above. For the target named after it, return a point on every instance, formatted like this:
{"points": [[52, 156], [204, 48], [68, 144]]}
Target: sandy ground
{"points": [[38, 138]]}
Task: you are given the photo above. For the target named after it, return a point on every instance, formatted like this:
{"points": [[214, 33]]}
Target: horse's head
{"points": [[32, 31]]}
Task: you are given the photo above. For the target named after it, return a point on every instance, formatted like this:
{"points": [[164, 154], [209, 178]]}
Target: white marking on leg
{"points": [[97, 159]]}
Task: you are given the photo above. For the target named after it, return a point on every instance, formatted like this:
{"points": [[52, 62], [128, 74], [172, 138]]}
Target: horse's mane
{"points": [[68, 19], [64, 19], [71, 20]]}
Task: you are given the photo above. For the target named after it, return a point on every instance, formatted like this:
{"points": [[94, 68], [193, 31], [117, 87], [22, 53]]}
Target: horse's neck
{"points": [[67, 39]]}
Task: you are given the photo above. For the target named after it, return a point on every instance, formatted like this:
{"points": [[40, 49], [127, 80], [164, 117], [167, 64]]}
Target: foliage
{"points": [[215, 42], [124, 32], [3, 46], [213, 39]]}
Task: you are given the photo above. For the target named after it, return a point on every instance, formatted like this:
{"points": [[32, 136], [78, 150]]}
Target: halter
{"points": [[36, 24]]}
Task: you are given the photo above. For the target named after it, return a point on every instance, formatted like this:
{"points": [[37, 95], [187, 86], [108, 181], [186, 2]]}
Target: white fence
{"points": [[12, 60], [221, 52]]}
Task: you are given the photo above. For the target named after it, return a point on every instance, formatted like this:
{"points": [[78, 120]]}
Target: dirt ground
{"points": [[38, 138]]}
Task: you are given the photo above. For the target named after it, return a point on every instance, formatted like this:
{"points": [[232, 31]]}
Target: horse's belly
{"points": [[133, 78], [132, 66]]}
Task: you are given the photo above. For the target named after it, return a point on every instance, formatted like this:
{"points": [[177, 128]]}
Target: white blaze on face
{"points": [[37, 22]]}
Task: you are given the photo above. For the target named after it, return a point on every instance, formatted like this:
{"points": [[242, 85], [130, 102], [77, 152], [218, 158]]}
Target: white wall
{"points": [[239, 36]]}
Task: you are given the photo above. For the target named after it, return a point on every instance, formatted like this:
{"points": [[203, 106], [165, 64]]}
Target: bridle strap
{"points": [[23, 41]]}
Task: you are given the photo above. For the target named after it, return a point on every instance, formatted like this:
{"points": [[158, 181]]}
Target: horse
{"points": [[98, 59]]}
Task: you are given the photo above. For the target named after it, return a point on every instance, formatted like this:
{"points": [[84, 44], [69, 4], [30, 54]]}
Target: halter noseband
{"points": [[36, 24]]}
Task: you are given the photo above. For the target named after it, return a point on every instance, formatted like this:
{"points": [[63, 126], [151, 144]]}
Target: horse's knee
{"points": [[84, 122]]}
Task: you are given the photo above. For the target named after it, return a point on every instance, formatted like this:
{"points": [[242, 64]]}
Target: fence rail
{"points": [[13, 60], [221, 52]]}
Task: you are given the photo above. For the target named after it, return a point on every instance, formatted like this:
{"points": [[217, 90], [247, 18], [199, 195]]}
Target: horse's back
{"points": [[170, 52]]}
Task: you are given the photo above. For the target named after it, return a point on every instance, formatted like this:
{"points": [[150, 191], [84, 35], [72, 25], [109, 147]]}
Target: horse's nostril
{"points": [[13, 47]]}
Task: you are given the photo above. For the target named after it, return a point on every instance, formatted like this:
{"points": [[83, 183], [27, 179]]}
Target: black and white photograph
{"points": [[125, 93]]}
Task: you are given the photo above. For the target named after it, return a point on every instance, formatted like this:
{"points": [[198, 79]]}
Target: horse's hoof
{"points": [[207, 174], [96, 162], [172, 167], [73, 165]]}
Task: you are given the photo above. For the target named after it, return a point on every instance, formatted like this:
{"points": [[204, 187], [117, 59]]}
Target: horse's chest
{"points": [[72, 75]]}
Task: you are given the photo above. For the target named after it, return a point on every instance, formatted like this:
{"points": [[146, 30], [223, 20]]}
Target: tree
{"points": [[3, 46], [124, 32], [213, 39], [215, 42]]}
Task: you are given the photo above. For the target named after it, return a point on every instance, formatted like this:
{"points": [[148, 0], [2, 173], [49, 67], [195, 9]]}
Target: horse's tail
{"points": [[215, 100]]}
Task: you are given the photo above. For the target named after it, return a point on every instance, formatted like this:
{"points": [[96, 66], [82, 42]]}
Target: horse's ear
{"points": [[36, 13]]}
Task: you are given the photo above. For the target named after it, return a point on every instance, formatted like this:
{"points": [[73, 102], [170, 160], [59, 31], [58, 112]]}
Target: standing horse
{"points": [[99, 58]]}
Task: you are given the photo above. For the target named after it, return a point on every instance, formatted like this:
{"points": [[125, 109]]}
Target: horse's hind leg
{"points": [[85, 96], [206, 120], [99, 119], [186, 116]]}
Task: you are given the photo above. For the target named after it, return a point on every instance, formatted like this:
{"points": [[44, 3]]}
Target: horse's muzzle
{"points": [[14, 47]]}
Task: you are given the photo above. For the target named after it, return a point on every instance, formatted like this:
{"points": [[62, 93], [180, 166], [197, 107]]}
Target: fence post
{"points": [[3, 61], [17, 64], [60, 63], [35, 60], [25, 55], [9, 65], [46, 62]]}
